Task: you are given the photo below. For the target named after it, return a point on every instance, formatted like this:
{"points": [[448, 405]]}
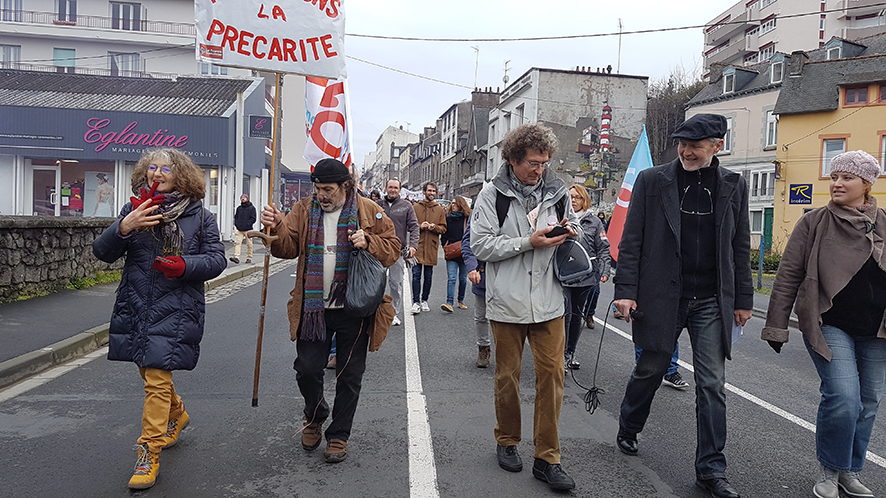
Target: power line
{"points": [[407, 73], [598, 35]]}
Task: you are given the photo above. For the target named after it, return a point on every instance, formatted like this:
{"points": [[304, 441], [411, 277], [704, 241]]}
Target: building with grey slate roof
{"points": [[831, 101]]}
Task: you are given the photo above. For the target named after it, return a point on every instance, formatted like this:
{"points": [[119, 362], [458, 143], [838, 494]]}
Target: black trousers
{"points": [[352, 341]]}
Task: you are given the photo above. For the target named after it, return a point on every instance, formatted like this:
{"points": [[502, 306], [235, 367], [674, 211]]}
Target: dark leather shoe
{"points": [[719, 487], [627, 442], [508, 458], [552, 474]]}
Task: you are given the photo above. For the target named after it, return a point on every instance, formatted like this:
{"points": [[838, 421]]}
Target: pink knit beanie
{"points": [[858, 163]]}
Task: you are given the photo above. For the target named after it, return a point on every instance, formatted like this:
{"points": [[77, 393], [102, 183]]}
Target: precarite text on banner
{"points": [[286, 36]]}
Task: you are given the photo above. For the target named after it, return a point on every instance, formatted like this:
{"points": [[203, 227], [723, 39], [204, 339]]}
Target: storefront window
{"points": [[212, 191], [86, 188]]}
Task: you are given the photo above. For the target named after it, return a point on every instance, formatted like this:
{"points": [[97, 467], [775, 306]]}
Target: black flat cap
{"points": [[330, 171], [701, 126]]}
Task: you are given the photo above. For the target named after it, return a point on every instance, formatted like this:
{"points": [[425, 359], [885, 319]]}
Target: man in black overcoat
{"points": [[684, 262]]}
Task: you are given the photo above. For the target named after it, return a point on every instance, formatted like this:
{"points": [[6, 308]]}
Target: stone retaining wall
{"points": [[43, 253]]}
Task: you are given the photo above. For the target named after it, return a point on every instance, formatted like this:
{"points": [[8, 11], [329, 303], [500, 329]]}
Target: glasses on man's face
{"points": [[537, 164], [163, 169]]}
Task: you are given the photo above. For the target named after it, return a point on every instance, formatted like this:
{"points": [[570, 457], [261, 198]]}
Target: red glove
{"points": [[171, 266], [145, 195]]}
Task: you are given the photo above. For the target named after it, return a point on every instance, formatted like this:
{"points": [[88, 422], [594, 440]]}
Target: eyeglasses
{"points": [[536, 164], [697, 200], [163, 169]]}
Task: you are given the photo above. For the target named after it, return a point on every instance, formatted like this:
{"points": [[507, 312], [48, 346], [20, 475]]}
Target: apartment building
{"points": [[753, 31], [746, 96]]}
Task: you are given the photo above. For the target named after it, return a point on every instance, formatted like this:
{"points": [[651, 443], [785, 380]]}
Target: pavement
{"points": [[42, 332]]}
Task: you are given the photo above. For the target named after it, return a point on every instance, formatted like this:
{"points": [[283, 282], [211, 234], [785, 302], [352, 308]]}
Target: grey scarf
{"points": [[529, 195]]}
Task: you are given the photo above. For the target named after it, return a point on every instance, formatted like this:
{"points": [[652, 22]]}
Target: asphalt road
{"points": [[424, 426]]}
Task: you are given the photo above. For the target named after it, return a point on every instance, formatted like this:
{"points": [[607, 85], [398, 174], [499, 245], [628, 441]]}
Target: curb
{"points": [[28, 364]]}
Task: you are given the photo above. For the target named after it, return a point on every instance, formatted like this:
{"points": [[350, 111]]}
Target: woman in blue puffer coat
{"points": [[171, 244]]}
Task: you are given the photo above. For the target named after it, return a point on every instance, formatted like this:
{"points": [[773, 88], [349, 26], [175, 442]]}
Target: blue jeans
{"points": [[456, 270], [672, 368], [417, 289], [591, 305], [702, 318], [852, 385]]}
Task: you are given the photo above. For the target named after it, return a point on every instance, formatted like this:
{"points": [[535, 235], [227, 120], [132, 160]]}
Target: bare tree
{"points": [[666, 108]]}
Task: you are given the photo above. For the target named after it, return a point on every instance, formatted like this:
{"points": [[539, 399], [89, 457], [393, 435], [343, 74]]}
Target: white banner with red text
{"points": [[287, 36], [327, 121]]}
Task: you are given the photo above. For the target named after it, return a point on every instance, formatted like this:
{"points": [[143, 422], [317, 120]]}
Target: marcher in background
{"points": [[833, 269], [402, 214], [579, 294], [374, 196], [521, 291], [171, 245], [603, 219], [684, 261], [477, 276], [456, 222], [431, 223], [321, 231], [244, 219], [672, 377]]}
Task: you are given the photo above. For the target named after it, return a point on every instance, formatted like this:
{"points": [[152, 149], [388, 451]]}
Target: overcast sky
{"points": [[381, 97]]}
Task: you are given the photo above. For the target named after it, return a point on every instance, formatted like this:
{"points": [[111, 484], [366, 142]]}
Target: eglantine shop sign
{"points": [[288, 36]]}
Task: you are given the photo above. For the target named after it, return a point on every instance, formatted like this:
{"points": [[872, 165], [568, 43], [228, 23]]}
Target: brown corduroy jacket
{"points": [[292, 232]]}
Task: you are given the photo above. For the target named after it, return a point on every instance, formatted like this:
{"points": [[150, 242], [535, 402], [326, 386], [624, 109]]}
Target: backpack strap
{"points": [[502, 203]]}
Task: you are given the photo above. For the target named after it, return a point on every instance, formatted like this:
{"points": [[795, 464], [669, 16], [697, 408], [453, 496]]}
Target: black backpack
{"points": [[572, 263]]}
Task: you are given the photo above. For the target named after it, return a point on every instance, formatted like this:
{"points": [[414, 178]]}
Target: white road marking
{"points": [[53, 373], [422, 468], [790, 417]]}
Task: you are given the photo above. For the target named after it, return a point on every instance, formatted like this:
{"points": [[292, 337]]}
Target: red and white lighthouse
{"points": [[604, 128]]}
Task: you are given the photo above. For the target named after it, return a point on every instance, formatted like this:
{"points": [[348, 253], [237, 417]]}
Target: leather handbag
{"points": [[452, 250]]}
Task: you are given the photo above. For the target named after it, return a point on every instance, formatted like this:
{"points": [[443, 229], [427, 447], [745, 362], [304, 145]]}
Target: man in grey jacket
{"points": [[684, 261], [509, 230], [400, 211]]}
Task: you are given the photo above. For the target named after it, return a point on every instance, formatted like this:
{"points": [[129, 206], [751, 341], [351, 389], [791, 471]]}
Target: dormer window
{"points": [[729, 83], [776, 72], [834, 53]]}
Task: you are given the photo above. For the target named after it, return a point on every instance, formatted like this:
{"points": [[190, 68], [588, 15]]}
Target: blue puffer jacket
{"points": [[157, 322]]}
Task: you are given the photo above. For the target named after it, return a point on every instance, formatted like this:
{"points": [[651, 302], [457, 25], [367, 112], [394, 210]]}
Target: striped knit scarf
{"points": [[313, 322]]}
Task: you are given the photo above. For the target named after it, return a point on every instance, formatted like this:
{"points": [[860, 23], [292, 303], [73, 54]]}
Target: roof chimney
{"points": [[716, 71], [798, 60]]}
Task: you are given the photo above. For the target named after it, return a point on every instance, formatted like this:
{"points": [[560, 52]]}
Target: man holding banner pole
{"points": [[684, 261]]}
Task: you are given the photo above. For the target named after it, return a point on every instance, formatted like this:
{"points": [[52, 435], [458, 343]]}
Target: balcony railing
{"points": [[96, 71], [144, 25]]}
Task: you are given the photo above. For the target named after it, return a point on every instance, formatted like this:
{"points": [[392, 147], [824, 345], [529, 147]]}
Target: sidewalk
{"points": [[42, 332]]}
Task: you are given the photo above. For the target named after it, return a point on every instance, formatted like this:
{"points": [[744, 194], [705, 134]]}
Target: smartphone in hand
{"points": [[557, 231]]}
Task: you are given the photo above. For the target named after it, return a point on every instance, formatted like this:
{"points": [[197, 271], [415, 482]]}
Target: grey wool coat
{"points": [[649, 264]]}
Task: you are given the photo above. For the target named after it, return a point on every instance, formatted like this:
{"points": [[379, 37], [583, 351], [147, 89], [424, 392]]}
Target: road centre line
{"points": [[53, 373], [790, 417], [422, 468]]}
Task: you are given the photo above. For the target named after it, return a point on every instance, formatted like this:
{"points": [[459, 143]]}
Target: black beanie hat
{"points": [[330, 171]]}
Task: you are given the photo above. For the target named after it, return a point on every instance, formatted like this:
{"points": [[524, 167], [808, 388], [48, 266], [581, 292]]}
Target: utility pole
{"points": [[505, 79], [476, 64], [618, 66]]}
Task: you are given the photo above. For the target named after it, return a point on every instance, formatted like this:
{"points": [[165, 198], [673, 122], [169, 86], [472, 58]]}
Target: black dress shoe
{"points": [[719, 487], [627, 442], [552, 474], [508, 458]]}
